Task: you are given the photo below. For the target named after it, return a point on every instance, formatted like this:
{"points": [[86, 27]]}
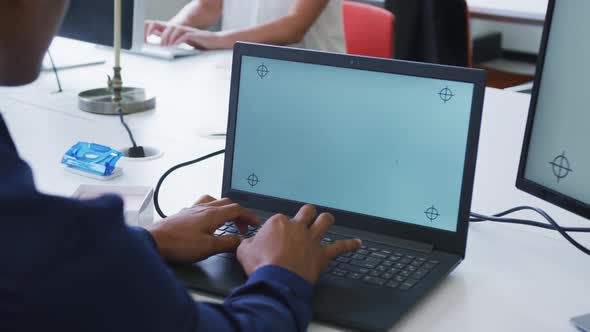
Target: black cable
{"points": [[60, 90], [120, 111], [481, 218], [172, 170], [476, 217]]}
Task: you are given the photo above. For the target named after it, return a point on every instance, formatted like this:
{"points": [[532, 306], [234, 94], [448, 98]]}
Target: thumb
{"points": [[226, 243]]}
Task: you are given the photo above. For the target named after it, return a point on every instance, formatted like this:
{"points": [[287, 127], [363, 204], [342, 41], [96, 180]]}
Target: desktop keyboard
{"points": [[392, 267], [169, 53]]}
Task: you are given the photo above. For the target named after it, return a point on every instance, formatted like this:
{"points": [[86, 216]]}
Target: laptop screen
{"points": [[378, 144]]}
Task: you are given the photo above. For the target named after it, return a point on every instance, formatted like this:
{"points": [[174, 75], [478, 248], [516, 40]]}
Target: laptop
{"points": [[388, 147]]}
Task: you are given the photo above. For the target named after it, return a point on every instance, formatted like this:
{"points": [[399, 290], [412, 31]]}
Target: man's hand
{"points": [[294, 245], [188, 236]]}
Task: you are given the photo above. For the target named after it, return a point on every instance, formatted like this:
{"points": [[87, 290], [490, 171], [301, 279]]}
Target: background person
{"points": [[313, 24]]}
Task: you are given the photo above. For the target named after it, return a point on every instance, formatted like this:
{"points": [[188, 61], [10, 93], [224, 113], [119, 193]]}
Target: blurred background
{"points": [[501, 36]]}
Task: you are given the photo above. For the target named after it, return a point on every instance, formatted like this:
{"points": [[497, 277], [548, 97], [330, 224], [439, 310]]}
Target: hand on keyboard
{"points": [[189, 236], [294, 244]]}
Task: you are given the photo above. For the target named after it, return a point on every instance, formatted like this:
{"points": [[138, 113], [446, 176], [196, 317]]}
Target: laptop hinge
{"points": [[383, 239], [367, 236]]}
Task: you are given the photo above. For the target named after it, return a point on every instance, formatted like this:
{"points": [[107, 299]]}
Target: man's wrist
{"points": [[274, 273], [155, 235], [146, 236]]}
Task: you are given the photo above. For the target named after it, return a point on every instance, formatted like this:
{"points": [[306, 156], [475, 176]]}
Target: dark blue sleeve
{"points": [[68, 265], [273, 299]]}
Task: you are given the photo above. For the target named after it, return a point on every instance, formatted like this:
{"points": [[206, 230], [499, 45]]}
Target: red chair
{"points": [[368, 30]]}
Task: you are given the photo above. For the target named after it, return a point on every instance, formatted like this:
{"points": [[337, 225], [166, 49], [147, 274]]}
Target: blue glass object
{"points": [[92, 158]]}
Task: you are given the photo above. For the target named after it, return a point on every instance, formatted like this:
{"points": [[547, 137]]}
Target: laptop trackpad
{"points": [[217, 274]]}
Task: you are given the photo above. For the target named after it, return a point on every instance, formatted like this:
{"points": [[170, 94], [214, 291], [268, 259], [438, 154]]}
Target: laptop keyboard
{"points": [[392, 267], [230, 229]]}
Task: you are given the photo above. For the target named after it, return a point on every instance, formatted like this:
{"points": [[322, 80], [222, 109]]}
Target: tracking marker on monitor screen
{"points": [[561, 167]]}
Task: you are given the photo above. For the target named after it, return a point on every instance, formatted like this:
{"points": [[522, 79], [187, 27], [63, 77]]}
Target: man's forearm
{"points": [[273, 299]]}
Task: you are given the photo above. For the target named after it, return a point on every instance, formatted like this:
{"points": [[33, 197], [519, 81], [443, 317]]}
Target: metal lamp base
{"points": [[100, 101]]}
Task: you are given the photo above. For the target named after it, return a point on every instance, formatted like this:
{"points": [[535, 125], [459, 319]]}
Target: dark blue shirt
{"points": [[68, 265]]}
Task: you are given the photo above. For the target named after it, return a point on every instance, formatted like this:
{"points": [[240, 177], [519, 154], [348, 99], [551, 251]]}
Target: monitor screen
{"points": [[558, 155], [373, 143], [92, 21]]}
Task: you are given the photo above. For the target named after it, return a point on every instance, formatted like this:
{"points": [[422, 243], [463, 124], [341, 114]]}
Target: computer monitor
{"points": [[93, 22], [555, 161]]}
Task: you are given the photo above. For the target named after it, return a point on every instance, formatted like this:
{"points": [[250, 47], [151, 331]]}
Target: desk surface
{"points": [[514, 278], [519, 11]]}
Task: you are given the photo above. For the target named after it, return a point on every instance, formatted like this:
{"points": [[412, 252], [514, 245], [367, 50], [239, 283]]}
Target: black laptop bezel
{"points": [[552, 196], [451, 242]]}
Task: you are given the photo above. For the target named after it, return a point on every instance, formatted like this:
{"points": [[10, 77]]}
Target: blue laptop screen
{"points": [[385, 145]]}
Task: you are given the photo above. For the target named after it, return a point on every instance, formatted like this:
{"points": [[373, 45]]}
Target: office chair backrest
{"points": [[432, 31], [369, 30]]}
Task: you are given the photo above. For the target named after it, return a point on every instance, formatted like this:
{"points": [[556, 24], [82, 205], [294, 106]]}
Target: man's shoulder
{"points": [[46, 214], [34, 220]]}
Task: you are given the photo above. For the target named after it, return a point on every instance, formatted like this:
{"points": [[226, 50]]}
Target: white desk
{"points": [[513, 279], [516, 11]]}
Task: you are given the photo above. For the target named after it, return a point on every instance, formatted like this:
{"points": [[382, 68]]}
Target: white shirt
{"points": [[326, 34]]}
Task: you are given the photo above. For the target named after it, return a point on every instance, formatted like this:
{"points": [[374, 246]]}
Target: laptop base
{"points": [[338, 300]]}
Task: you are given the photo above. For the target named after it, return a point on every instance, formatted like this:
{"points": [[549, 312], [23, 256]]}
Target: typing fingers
{"points": [[342, 247], [321, 225], [220, 202], [233, 212], [153, 28], [176, 35], [166, 35], [306, 215], [205, 199]]}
